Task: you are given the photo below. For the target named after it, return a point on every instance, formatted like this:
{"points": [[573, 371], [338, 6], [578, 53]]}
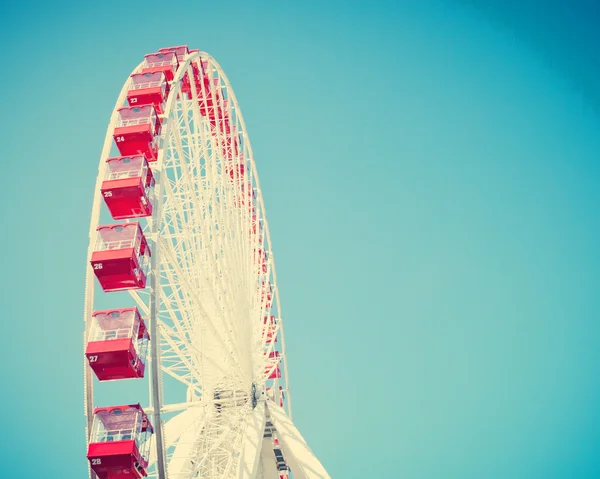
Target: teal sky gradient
{"points": [[430, 172]]}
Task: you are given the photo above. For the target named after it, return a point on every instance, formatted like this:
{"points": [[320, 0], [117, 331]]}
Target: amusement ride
{"points": [[181, 286]]}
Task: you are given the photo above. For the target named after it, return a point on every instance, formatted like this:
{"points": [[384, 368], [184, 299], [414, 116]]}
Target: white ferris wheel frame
{"points": [[186, 234]]}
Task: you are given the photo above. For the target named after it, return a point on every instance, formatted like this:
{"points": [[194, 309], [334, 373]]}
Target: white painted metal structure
{"points": [[208, 300]]}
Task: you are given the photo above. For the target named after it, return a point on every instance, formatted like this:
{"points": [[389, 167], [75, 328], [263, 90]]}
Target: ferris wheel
{"points": [[181, 287]]}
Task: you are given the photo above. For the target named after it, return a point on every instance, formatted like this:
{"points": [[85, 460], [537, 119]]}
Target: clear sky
{"points": [[430, 171]]}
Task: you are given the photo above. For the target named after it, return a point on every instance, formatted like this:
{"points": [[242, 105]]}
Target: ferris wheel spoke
{"points": [[140, 301], [184, 347], [178, 218], [215, 297], [183, 329], [217, 140], [208, 320], [178, 233], [181, 375], [216, 273], [177, 305], [206, 196], [184, 357]]}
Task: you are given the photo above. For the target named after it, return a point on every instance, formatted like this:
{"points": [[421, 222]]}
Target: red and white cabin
{"points": [[269, 327], [161, 62], [180, 51], [148, 89], [127, 187], [121, 257], [119, 444], [136, 130], [117, 344], [272, 369]]}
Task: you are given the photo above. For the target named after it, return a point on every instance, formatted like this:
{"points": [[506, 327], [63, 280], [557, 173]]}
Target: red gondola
{"points": [[136, 131], [148, 89], [119, 444], [121, 257], [161, 62], [117, 344], [127, 187]]}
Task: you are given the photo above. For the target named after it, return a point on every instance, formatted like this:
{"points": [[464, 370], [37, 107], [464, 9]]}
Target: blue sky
{"points": [[430, 174]]}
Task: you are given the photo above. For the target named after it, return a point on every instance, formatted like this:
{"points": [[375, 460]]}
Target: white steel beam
{"points": [[303, 463], [176, 426], [267, 457], [253, 435], [182, 462]]}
